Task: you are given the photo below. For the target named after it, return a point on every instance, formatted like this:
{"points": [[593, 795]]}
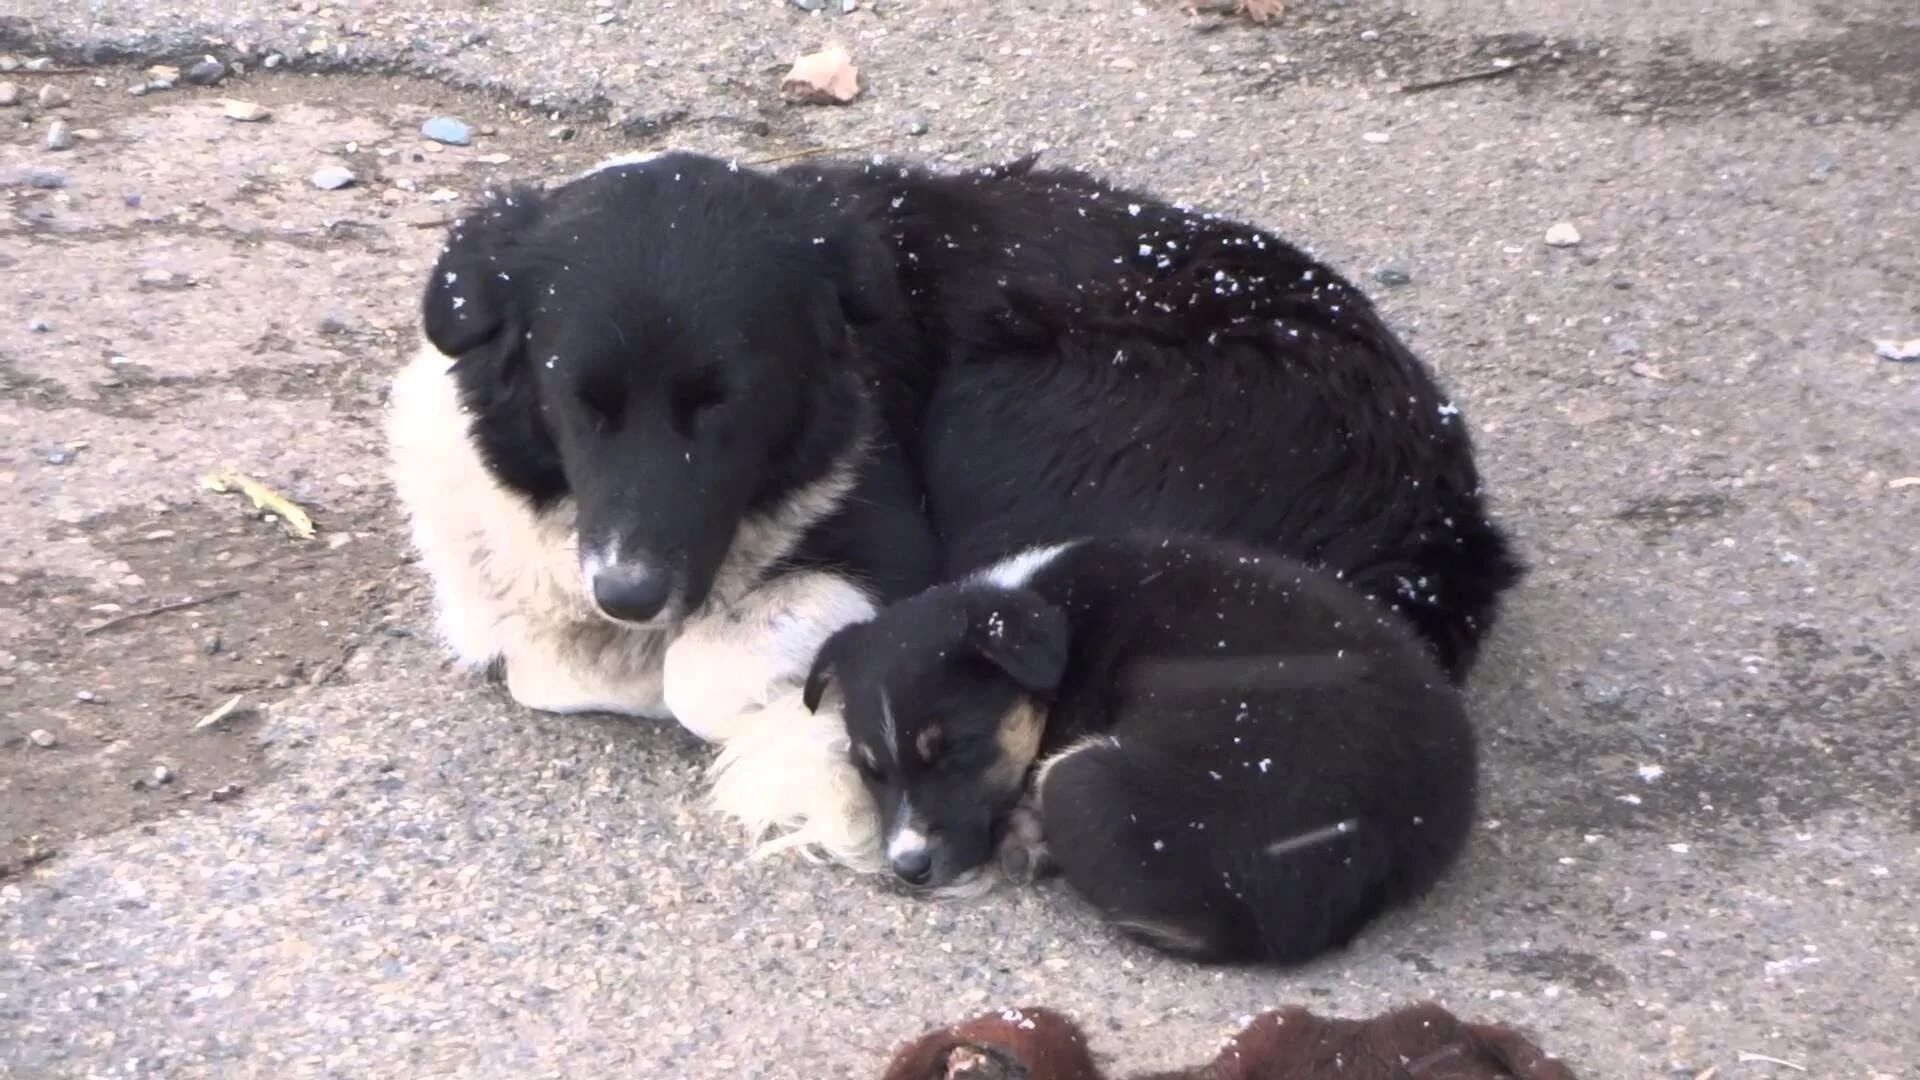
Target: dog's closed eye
{"points": [[693, 397], [603, 400]]}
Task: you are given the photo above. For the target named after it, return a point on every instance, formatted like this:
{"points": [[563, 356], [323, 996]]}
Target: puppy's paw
{"points": [[1023, 855]]}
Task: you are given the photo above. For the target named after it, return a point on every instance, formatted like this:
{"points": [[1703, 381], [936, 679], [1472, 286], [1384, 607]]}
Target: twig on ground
{"points": [[147, 613], [1494, 72], [815, 152], [1748, 1055]]}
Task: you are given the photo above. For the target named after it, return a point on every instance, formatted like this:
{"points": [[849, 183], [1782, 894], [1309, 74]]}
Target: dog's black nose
{"points": [[631, 592], [914, 867]]}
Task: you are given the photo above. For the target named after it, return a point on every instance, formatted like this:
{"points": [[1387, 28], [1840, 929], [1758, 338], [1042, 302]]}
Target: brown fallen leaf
{"points": [[247, 112], [827, 77], [298, 524], [1260, 11]]}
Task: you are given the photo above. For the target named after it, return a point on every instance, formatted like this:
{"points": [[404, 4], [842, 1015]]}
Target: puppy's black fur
{"points": [[1241, 758], [1048, 357]]}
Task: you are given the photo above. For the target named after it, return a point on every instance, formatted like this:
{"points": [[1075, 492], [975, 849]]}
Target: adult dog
{"points": [[678, 421]]}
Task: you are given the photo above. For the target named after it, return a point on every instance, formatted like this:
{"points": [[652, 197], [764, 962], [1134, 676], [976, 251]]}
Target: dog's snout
{"points": [[910, 849], [913, 867], [631, 592]]}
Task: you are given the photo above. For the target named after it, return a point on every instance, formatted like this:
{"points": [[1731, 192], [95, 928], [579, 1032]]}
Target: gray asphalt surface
{"points": [[1701, 837]]}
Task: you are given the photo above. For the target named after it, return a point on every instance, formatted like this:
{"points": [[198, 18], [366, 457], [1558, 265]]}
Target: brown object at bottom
{"points": [[1419, 1042]]}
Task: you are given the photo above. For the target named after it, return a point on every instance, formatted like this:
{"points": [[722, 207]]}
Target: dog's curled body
{"points": [[678, 421], [1239, 758]]}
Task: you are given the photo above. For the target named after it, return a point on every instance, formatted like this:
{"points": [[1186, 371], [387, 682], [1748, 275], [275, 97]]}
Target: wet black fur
{"points": [[1050, 356], [1228, 700]]}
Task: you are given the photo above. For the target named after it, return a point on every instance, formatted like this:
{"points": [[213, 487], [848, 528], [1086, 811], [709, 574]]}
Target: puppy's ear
{"points": [[866, 278], [470, 299], [1022, 635], [825, 665]]}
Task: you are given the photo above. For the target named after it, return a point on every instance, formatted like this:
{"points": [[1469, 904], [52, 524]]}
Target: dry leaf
{"points": [[827, 77], [246, 112], [297, 523]]}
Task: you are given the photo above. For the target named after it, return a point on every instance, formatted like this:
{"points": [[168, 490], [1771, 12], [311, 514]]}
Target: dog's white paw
{"points": [[550, 685], [731, 662]]}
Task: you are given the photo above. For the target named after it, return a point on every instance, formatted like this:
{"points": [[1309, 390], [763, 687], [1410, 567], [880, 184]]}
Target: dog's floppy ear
{"points": [[1022, 635], [469, 300], [825, 666], [865, 276]]}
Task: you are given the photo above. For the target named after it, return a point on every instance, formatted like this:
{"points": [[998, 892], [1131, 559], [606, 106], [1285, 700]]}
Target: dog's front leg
{"points": [[730, 661]]}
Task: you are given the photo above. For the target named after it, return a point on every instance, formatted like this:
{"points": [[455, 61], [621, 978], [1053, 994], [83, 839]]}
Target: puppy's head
{"points": [[945, 698], [668, 343]]}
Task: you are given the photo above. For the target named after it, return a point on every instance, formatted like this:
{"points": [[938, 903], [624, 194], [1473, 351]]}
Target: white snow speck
{"points": [[1134, 209], [452, 277], [1159, 845], [1266, 763], [1679, 849], [1650, 773]]}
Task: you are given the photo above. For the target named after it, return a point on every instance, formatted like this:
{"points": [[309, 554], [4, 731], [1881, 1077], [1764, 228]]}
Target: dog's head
{"points": [[670, 344], [945, 697]]}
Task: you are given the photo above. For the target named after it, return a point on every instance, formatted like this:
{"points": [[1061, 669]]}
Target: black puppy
{"points": [[1239, 758]]}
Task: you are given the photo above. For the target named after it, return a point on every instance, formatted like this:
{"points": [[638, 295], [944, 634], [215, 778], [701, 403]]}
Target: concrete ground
{"points": [[1699, 851]]}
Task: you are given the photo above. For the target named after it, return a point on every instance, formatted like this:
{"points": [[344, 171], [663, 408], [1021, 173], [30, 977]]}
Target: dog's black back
{"points": [[1149, 367], [1257, 760]]}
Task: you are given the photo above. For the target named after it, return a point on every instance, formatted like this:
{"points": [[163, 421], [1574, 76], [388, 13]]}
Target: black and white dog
{"points": [[679, 421], [1233, 756]]}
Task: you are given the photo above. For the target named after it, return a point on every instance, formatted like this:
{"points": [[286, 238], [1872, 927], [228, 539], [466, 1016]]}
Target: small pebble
{"points": [[1900, 352], [1392, 275], [332, 177], [213, 644], [206, 72], [225, 793], [162, 774], [46, 179], [246, 112], [42, 738], [59, 455], [40, 63], [157, 279], [810, 5], [38, 326], [1369, 35], [446, 129], [604, 18], [1377, 138], [9, 94], [9, 62], [916, 125], [1563, 235], [272, 61], [85, 697], [1625, 345], [52, 97]]}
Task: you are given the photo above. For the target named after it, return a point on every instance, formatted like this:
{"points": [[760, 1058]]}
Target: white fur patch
{"points": [[1015, 571], [784, 771], [729, 662], [907, 838], [506, 580]]}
